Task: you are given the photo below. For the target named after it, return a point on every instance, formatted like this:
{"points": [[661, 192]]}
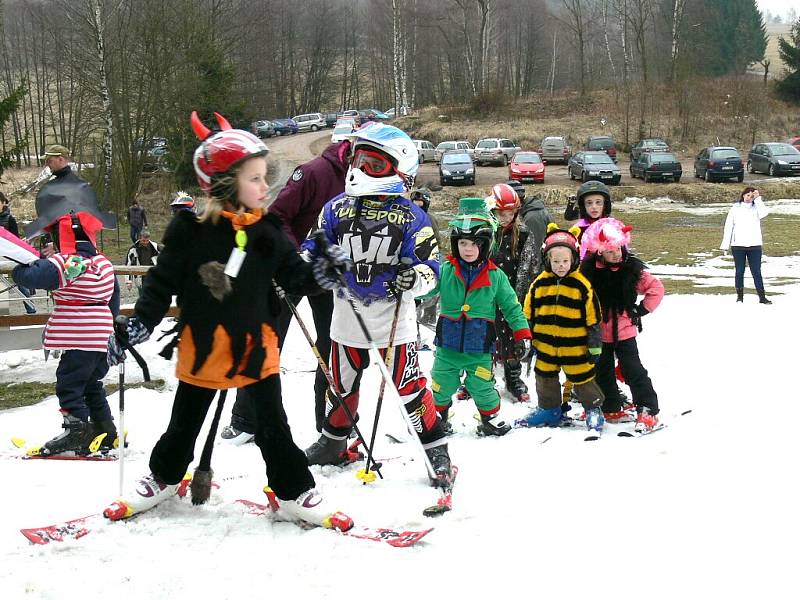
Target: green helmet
{"points": [[476, 223]]}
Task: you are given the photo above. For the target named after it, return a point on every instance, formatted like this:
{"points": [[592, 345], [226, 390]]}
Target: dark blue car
{"points": [[717, 163], [284, 126]]}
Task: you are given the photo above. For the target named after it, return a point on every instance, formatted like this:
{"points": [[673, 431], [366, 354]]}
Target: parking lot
{"points": [[557, 174]]}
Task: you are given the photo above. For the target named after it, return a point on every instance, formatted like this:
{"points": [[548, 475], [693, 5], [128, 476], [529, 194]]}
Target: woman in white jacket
{"points": [[742, 236]]}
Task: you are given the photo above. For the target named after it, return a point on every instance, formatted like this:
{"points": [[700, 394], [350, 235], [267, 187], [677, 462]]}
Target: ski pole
{"points": [[121, 432], [326, 371], [200, 487], [389, 358]]}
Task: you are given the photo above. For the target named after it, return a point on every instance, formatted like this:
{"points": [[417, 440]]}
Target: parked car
{"points": [[526, 166], [284, 126], [598, 165], [719, 162], [263, 129], [657, 165], [425, 150], [604, 143], [372, 114], [330, 119], [404, 111], [456, 167], [555, 149], [462, 145], [774, 159], [648, 145], [153, 153], [341, 131], [310, 122], [495, 150], [354, 114]]}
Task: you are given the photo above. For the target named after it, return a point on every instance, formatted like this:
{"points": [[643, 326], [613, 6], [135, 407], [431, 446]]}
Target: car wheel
{"points": [[750, 167], [584, 178], [632, 174], [505, 160], [708, 177], [646, 177], [771, 170], [421, 159], [314, 128], [677, 179], [740, 178], [441, 182]]}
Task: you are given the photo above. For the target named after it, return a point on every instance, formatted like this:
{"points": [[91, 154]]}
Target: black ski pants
{"points": [[79, 385], [627, 352], [243, 416], [287, 467]]}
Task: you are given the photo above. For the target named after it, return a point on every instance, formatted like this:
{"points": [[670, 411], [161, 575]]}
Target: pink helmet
{"points": [[220, 152], [606, 234]]}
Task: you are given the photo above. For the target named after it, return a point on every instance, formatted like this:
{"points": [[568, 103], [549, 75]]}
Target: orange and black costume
{"points": [[226, 336]]}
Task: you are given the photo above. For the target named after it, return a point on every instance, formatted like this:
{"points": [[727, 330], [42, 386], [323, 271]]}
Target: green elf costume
{"points": [[470, 294]]}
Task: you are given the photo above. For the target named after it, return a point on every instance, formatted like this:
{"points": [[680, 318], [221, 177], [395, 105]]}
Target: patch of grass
{"points": [[14, 395]]}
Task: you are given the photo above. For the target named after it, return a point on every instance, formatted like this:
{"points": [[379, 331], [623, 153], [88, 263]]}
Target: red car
{"points": [[795, 141], [526, 167]]}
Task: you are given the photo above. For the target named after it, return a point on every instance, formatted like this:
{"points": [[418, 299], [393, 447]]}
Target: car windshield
{"points": [[783, 149], [663, 158], [527, 158], [725, 154], [600, 144], [446, 146], [598, 159], [553, 142], [343, 129], [451, 159], [487, 144]]}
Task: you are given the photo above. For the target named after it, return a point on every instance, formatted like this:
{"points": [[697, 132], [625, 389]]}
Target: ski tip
{"points": [[592, 438], [117, 511], [338, 521], [18, 442], [686, 412]]}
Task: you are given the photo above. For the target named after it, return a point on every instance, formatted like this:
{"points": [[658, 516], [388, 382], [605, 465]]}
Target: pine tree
{"points": [[789, 50], [7, 108], [733, 36]]}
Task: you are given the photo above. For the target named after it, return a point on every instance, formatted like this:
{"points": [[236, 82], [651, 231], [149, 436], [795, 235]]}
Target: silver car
{"points": [[555, 149], [495, 150], [425, 150], [462, 145]]}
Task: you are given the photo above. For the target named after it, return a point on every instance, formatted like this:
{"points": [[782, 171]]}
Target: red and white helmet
{"points": [[220, 152], [505, 198]]}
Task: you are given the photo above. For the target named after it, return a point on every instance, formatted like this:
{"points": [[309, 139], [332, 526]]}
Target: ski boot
{"points": [[108, 430], [512, 371], [566, 420], [327, 451], [595, 420], [462, 393], [493, 425], [645, 421], [618, 416], [236, 437], [149, 492], [541, 417], [76, 438], [440, 461], [444, 415], [310, 507]]}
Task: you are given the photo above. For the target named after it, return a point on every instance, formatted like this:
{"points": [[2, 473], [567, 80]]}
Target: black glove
{"points": [[130, 330], [593, 355], [639, 310], [406, 277], [330, 265], [522, 350]]}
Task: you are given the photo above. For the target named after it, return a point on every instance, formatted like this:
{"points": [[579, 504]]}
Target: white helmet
{"points": [[363, 179]]}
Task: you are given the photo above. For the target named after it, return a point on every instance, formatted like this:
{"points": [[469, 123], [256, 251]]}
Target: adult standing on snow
{"points": [[221, 266], [298, 206], [378, 227], [742, 236]]}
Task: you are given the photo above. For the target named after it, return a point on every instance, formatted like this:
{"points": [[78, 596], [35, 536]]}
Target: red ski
{"points": [[69, 530], [398, 539]]}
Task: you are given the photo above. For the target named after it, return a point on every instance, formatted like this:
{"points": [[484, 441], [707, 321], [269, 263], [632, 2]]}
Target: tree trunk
{"points": [[105, 98]]}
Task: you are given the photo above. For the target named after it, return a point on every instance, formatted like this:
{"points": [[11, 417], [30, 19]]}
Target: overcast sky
{"points": [[780, 7]]}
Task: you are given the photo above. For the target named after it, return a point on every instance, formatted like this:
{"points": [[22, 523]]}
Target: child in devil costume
{"points": [[519, 259], [618, 279], [393, 246], [86, 299], [221, 265], [473, 291]]}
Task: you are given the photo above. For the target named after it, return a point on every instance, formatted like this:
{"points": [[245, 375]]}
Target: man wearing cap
{"points": [[143, 253]]}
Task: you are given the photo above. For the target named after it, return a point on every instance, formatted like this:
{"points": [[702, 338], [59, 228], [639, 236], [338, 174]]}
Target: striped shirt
{"points": [[81, 318]]}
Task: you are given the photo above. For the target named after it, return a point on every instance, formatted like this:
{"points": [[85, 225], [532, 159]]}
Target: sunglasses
{"points": [[372, 162]]}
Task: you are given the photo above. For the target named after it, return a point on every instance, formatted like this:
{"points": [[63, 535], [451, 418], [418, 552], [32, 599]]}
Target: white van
{"points": [[310, 122]]}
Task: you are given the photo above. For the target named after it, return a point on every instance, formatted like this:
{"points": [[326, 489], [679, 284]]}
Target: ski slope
{"points": [[707, 507]]}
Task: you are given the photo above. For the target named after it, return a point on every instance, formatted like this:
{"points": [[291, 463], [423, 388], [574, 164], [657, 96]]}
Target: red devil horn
{"points": [[223, 122], [200, 130], [602, 236], [627, 228]]}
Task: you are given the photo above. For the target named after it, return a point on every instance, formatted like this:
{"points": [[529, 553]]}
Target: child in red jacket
{"points": [[619, 278]]}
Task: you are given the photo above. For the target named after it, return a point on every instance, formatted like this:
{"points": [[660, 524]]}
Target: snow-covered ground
{"points": [[705, 508]]}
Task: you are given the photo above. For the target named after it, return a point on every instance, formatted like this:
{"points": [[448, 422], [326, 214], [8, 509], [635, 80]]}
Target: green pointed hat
{"points": [[471, 212]]}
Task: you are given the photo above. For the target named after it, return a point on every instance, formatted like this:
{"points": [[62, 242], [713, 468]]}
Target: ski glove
{"points": [[329, 266], [639, 310], [522, 350], [131, 330], [406, 277], [593, 354]]}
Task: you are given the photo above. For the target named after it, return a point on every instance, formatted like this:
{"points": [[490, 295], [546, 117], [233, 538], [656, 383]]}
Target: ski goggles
{"points": [[372, 162]]}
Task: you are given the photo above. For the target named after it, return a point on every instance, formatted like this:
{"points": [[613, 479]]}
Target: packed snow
{"points": [[706, 507]]}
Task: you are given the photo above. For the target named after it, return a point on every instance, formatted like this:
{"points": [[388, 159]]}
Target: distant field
{"points": [[775, 30]]}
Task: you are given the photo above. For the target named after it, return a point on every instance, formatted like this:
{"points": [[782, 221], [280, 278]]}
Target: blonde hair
{"points": [[224, 192]]}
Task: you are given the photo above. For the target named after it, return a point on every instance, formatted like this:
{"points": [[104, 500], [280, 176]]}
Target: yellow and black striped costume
{"points": [[565, 321]]}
